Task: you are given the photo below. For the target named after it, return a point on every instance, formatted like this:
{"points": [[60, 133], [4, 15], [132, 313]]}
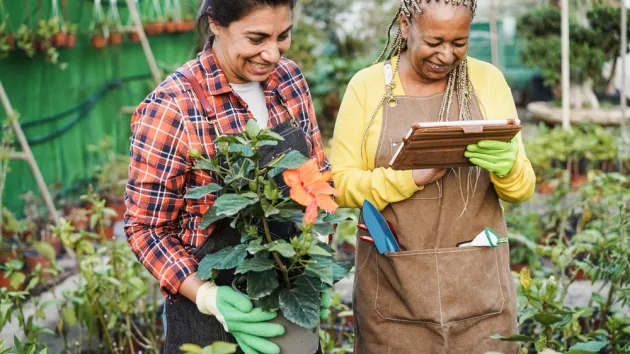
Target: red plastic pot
{"points": [[71, 41], [171, 27], [33, 258], [99, 41], [60, 39], [159, 27], [6, 283], [134, 37], [11, 40], [115, 38]]}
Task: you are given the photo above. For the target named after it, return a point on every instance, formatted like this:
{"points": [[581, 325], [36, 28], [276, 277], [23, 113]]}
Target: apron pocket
{"points": [[438, 286], [407, 286], [469, 283]]}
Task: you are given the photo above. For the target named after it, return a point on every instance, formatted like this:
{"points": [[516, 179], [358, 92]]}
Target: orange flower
{"points": [[310, 188]]}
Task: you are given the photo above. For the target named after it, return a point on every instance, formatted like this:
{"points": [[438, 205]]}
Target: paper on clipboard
{"points": [[442, 144]]}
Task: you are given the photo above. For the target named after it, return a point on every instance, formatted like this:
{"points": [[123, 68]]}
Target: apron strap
{"points": [[192, 80]]}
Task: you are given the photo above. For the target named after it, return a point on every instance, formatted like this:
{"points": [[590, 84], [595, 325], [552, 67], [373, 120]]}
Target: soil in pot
{"points": [[296, 339]]}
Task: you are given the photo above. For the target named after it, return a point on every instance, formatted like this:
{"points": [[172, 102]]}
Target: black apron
{"points": [[184, 323]]}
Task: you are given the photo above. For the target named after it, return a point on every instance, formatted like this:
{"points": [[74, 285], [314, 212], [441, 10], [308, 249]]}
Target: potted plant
{"points": [[100, 216], [99, 35], [115, 25], [44, 34], [11, 276], [25, 40], [71, 40], [285, 275], [59, 32]]}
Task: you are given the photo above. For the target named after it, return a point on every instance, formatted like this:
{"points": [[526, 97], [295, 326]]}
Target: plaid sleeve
{"points": [[154, 196], [317, 148]]}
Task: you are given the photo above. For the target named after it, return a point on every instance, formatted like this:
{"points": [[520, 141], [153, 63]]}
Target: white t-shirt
{"points": [[252, 93]]}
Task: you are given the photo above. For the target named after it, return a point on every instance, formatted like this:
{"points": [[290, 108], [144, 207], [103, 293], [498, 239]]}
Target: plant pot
{"points": [[108, 232], [189, 26], [6, 283], [171, 27], [99, 41], [55, 242], [8, 254], [517, 267], [60, 39], [295, 339], [578, 181], [158, 27], [71, 41], [33, 258], [134, 37], [11, 41], [545, 188], [42, 44], [115, 38], [119, 207]]}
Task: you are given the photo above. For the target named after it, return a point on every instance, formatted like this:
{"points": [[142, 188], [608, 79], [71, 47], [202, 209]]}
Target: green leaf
{"points": [[547, 319], [261, 284], [284, 248], [268, 208], [293, 159], [227, 258], [253, 128], [301, 304], [318, 251], [210, 217], [323, 228], [46, 250], [206, 165], [69, 315], [321, 271], [231, 204], [257, 264], [340, 269], [16, 279], [202, 191], [220, 348], [271, 190], [588, 347], [271, 302], [244, 150], [513, 338], [268, 134], [190, 349]]}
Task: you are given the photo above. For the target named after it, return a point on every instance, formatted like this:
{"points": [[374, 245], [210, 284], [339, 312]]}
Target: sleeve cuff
{"points": [[518, 186], [409, 185], [173, 276]]}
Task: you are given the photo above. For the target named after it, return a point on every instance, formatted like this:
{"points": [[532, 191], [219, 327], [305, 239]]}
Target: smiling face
{"points": [[437, 40], [249, 49]]}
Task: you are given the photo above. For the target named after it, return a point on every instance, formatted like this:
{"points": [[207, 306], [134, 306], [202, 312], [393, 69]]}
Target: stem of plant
{"points": [[129, 340], [276, 257]]}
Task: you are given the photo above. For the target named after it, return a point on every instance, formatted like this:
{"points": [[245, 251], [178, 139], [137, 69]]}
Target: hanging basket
{"points": [[98, 27], [57, 25], [115, 24]]}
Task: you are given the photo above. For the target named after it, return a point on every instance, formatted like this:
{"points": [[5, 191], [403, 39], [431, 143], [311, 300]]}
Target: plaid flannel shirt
{"points": [[161, 226]]}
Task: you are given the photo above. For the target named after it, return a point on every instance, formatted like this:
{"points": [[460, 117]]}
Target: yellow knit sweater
{"points": [[358, 181]]}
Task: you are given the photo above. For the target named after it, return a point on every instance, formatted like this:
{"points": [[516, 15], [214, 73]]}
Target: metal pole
{"points": [[27, 155], [494, 46], [566, 124], [137, 24]]}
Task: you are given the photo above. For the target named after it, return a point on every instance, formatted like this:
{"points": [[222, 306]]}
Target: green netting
{"points": [[38, 89]]}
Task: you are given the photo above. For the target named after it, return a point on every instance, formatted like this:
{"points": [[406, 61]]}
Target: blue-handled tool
{"points": [[379, 230]]}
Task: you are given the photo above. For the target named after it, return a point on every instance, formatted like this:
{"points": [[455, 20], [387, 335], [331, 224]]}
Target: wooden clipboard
{"points": [[442, 144]]}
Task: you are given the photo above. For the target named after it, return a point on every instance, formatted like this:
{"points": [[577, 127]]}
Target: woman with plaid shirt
{"points": [[240, 75]]}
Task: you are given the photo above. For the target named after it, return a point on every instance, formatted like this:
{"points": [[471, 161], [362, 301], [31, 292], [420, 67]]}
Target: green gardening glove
{"points": [[238, 316], [325, 309], [494, 156]]}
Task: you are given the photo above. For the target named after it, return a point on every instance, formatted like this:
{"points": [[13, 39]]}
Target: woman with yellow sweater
{"points": [[431, 297]]}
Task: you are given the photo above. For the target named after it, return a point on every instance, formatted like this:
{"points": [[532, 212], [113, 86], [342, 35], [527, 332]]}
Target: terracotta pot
{"points": [[545, 188], [7, 233], [11, 40], [134, 37], [180, 26], [71, 41], [171, 27], [6, 283], [33, 258], [99, 41], [149, 29], [55, 242], [108, 232], [115, 38], [517, 267], [189, 26], [578, 181], [119, 207], [60, 39], [159, 27]]}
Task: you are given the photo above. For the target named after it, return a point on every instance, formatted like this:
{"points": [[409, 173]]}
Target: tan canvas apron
{"points": [[434, 297]]}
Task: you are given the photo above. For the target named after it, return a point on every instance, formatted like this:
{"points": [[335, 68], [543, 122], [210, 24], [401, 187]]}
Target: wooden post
{"points": [[27, 155], [137, 24]]}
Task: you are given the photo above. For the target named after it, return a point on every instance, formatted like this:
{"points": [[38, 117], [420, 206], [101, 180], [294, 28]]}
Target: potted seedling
{"points": [[25, 40], [286, 275], [115, 25], [11, 275], [71, 40], [99, 35]]}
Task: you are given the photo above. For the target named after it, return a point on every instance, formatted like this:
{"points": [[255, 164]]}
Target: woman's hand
{"points": [[427, 176]]}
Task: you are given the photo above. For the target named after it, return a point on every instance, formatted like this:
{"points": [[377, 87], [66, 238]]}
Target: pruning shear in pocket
{"points": [[369, 239], [382, 233]]}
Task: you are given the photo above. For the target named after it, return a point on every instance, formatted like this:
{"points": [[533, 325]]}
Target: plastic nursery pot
{"points": [[296, 339], [159, 27], [108, 232], [11, 40], [33, 258], [43, 44], [115, 38], [8, 254], [5, 282], [118, 204], [99, 41]]}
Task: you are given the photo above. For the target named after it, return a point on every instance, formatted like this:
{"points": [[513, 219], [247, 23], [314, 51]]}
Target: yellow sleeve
{"points": [[518, 186], [353, 176]]}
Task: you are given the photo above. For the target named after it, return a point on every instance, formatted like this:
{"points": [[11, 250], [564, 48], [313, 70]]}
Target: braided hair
{"points": [[458, 80]]}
